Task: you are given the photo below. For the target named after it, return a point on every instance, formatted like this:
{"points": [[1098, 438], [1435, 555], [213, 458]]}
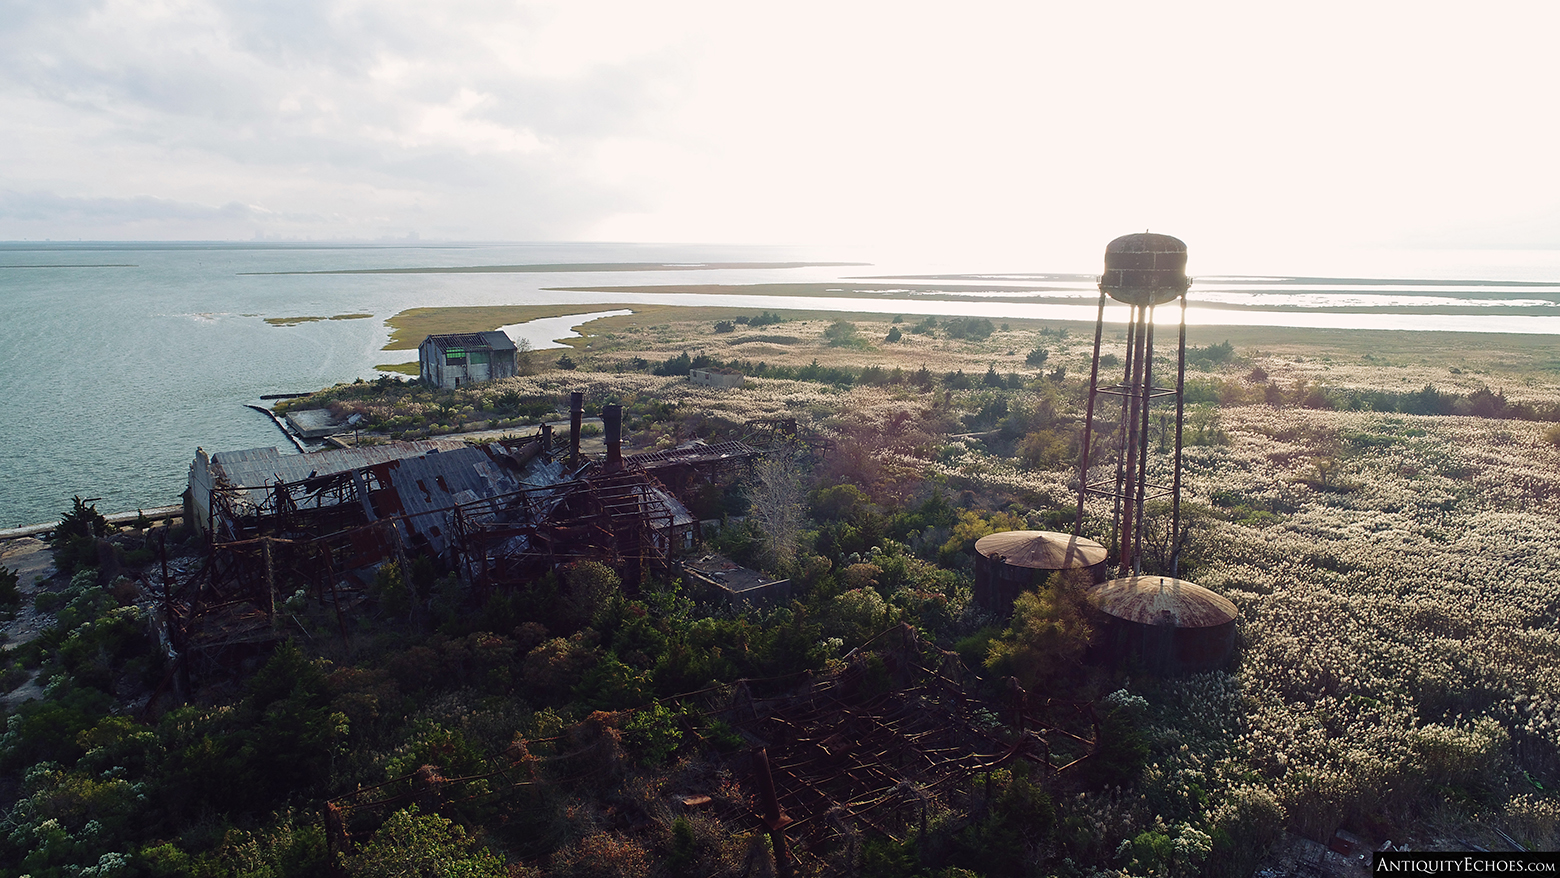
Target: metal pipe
{"points": [[1088, 416], [1126, 486], [1121, 433], [576, 415], [774, 820], [612, 422], [1180, 411], [1142, 475]]}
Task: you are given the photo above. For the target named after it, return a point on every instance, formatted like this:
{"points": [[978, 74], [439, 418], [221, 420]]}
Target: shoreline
{"points": [[33, 530]]}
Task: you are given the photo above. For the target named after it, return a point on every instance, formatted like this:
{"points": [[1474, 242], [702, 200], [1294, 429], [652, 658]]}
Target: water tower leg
{"points": [[1180, 412], [1088, 418], [1141, 486]]}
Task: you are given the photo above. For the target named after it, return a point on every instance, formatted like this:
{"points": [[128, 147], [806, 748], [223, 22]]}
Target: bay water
{"points": [[118, 360]]}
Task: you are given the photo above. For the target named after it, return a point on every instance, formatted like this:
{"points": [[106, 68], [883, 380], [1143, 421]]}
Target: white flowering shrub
{"points": [[1398, 632]]}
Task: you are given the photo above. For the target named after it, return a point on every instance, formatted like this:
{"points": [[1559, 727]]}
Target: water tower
{"points": [[1142, 271]]}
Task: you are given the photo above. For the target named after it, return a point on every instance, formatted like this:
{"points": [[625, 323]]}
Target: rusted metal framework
{"points": [[878, 748], [624, 518], [1142, 271], [686, 468]]}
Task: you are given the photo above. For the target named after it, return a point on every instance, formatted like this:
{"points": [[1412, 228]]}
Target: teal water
{"points": [[118, 360]]}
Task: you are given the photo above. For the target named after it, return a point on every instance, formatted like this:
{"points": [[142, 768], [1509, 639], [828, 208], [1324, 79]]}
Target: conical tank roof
{"points": [[1162, 600], [1040, 549]]}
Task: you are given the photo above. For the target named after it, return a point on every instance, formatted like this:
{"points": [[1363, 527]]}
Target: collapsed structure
{"points": [[498, 514]]}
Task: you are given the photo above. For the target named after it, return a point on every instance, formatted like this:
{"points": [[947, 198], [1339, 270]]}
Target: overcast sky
{"points": [[1050, 125]]}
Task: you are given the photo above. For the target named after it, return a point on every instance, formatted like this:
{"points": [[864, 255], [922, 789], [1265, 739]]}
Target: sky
{"points": [[1036, 126]]}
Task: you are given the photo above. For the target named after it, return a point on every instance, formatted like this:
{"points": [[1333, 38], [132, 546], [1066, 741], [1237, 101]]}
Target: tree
{"points": [[777, 495], [74, 541], [841, 333], [416, 845], [523, 363], [1047, 637], [10, 597]]}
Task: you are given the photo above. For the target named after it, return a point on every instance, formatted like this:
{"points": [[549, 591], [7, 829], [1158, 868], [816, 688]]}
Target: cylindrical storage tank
{"points": [[1172, 626], [1018, 560], [1145, 269]]}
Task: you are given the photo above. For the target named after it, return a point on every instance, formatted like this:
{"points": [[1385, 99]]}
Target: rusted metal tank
{"points": [[1145, 269], [1170, 625], [1017, 560]]}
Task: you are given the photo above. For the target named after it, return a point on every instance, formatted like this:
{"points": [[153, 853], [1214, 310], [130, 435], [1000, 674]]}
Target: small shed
{"points": [[1172, 626], [449, 361], [1015, 561], [719, 577], [716, 377]]}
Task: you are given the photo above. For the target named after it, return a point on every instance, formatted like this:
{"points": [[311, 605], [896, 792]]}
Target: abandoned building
{"points": [[450, 361], [497, 515], [716, 377], [717, 576]]}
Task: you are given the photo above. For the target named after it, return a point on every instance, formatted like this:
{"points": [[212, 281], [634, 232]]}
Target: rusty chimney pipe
{"points": [[612, 422], [547, 438], [576, 414]]}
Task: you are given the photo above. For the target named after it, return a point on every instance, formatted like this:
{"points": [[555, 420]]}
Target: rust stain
{"points": [[1163, 600], [1041, 550]]}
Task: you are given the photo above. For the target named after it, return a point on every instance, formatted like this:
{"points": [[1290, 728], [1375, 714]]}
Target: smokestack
{"points": [[612, 422], [576, 414]]}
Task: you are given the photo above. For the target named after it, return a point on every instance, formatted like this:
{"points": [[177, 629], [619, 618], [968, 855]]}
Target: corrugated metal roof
{"points": [[1163, 601], [1041, 549], [693, 452], [429, 486], [259, 467], [496, 340]]}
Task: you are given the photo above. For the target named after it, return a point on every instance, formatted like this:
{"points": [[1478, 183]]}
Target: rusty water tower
{"points": [[1142, 271], [1169, 625], [1015, 561]]}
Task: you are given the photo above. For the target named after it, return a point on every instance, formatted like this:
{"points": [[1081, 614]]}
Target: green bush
{"points": [[413, 843], [10, 595], [74, 541]]}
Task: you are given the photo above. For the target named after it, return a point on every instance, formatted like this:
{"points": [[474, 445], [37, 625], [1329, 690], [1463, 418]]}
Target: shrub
{"points": [[413, 843], [10, 596], [971, 328], [842, 334], [74, 541]]}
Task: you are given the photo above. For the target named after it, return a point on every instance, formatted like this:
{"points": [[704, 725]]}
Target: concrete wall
{"points": [[710, 378]]}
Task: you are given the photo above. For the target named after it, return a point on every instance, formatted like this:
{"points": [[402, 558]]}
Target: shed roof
{"points": [[1041, 549], [259, 467], [427, 487], [1163, 600], [494, 340]]}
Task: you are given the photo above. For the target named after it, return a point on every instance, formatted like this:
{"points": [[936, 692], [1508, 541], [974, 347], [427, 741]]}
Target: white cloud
{"points": [[1030, 126]]}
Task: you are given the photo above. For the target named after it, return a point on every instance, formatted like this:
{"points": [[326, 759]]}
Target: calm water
{"points": [[119, 359]]}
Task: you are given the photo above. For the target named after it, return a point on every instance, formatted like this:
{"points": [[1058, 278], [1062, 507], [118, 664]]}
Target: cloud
{"points": [[1031, 125]]}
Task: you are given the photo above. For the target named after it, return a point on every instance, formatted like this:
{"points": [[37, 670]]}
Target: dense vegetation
{"points": [[1392, 560]]}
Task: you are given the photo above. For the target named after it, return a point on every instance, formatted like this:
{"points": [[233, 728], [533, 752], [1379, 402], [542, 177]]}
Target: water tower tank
{"points": [[1172, 626], [1145, 269], [1019, 560]]}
